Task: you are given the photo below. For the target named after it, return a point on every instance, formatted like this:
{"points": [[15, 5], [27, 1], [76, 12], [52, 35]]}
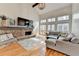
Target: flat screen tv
{"points": [[24, 22]]}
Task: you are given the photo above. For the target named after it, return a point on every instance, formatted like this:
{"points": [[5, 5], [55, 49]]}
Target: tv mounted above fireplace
{"points": [[25, 22]]}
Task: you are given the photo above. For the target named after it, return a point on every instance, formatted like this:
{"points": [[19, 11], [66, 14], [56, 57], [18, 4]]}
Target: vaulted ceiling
{"points": [[51, 7], [48, 7]]}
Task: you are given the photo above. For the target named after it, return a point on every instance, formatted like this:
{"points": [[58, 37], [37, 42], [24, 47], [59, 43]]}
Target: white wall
{"points": [[29, 12], [14, 10], [75, 19], [10, 10]]}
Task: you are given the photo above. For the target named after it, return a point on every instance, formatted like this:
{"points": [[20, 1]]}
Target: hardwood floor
{"points": [[52, 52]]}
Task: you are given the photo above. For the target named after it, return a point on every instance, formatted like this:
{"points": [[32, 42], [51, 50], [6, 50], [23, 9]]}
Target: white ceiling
{"points": [[51, 7]]}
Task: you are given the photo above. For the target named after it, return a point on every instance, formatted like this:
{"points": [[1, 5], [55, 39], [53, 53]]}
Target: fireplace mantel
{"points": [[21, 27]]}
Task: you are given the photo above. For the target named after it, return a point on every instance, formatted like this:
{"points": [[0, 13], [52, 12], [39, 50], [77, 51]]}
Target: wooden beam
{"points": [[35, 5]]}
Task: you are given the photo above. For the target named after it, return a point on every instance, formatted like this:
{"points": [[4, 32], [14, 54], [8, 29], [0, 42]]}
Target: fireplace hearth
{"points": [[28, 33]]}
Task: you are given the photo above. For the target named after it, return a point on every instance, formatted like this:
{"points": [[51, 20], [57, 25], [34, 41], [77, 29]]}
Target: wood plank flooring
{"points": [[52, 52]]}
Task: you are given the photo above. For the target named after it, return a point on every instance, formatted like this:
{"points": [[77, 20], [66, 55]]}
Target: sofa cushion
{"points": [[52, 36], [5, 40], [10, 36], [61, 38], [51, 40], [75, 40], [69, 36]]}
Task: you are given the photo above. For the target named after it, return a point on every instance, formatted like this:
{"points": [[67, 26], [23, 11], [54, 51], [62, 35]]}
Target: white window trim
{"points": [[56, 22]]}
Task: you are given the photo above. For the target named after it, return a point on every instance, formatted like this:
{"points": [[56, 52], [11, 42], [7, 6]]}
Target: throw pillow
{"points": [[10, 36], [75, 40], [69, 37], [61, 38], [3, 37]]}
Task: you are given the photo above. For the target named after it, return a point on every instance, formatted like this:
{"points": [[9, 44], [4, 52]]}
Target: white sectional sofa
{"points": [[68, 48]]}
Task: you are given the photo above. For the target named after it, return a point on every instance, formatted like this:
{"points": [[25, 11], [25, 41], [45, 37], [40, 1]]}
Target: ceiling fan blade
{"points": [[35, 5]]}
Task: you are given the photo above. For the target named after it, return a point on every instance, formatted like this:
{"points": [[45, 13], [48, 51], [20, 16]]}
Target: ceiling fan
{"points": [[41, 6]]}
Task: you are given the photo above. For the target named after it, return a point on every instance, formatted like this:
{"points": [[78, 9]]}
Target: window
{"points": [[43, 21], [63, 27], [60, 23], [76, 16], [51, 20], [43, 27], [53, 28], [63, 18], [49, 27]]}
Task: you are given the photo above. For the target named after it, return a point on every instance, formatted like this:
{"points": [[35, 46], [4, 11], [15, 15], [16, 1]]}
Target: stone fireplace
{"points": [[17, 32]]}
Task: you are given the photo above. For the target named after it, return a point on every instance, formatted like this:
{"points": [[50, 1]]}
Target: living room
{"points": [[53, 28]]}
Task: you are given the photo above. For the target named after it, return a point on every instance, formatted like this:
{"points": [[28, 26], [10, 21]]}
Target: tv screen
{"points": [[25, 22]]}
